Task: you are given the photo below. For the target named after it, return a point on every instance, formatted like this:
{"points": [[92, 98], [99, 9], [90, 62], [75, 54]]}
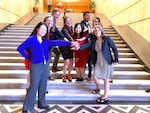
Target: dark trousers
{"points": [[91, 63], [89, 68], [56, 51], [38, 82]]}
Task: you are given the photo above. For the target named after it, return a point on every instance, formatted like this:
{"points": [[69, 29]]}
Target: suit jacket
{"points": [[68, 35], [107, 45], [86, 26], [55, 34]]}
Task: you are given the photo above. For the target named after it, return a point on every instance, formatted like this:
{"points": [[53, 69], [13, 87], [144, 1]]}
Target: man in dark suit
{"points": [[56, 34]]}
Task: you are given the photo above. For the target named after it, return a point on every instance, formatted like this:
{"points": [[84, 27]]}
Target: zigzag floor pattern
{"points": [[80, 108]]}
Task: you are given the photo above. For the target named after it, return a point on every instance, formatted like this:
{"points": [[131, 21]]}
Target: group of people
{"points": [[79, 44]]}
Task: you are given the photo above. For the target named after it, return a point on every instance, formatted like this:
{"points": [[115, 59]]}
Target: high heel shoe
{"points": [[64, 78], [27, 90], [95, 91], [102, 100], [69, 77]]}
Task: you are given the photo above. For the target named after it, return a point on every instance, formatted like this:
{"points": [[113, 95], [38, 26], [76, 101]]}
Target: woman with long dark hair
{"points": [[39, 65], [81, 57]]}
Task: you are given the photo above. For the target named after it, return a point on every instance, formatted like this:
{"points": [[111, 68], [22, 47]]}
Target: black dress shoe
{"points": [[24, 111], [46, 91], [51, 78], [80, 79], [56, 69], [147, 90], [44, 107]]}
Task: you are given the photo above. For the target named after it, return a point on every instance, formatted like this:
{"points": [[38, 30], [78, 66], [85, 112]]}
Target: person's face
{"points": [[68, 22], [78, 29], [56, 15], [49, 22], [95, 22], [86, 17], [97, 32], [42, 30]]}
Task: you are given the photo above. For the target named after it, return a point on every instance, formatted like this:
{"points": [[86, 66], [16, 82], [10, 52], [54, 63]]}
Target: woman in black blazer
{"points": [[66, 52]]}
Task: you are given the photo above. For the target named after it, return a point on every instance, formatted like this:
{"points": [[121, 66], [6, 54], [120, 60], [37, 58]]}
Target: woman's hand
{"points": [[75, 45]]}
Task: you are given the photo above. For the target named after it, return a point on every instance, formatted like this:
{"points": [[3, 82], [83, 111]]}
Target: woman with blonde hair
{"points": [[66, 52], [104, 61]]}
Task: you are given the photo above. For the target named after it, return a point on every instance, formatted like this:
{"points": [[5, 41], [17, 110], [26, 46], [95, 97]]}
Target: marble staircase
{"points": [[129, 83]]}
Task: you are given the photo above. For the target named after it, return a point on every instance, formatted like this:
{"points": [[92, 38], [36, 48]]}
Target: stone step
{"points": [[10, 40], [3, 49], [117, 67], [80, 94], [128, 61], [5, 35], [12, 37], [119, 42], [23, 26], [57, 84], [7, 48], [129, 75], [3, 40], [108, 28], [15, 34], [16, 38], [18, 31], [29, 30], [11, 59], [126, 55], [61, 60], [129, 81], [4, 52], [109, 32], [17, 43], [114, 35], [85, 95]]}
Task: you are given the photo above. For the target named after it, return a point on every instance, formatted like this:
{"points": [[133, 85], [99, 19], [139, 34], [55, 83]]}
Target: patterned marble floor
{"points": [[80, 108]]}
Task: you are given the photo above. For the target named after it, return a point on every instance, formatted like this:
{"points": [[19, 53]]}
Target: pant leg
{"points": [[30, 98], [89, 68], [42, 87], [49, 73], [57, 54]]}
